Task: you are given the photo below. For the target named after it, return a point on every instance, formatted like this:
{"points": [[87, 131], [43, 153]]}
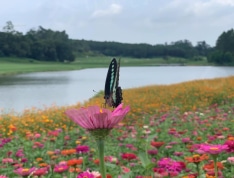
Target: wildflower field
{"points": [[182, 130]]}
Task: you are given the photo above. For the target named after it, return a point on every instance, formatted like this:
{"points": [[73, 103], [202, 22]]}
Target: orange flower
{"points": [[43, 164], [74, 162], [231, 138], [50, 153], [196, 158], [68, 152], [12, 128], [96, 161], [54, 157], [210, 166], [39, 159], [73, 169]]}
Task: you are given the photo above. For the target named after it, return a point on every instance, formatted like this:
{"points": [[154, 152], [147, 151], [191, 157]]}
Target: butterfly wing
{"points": [[110, 82], [117, 91]]}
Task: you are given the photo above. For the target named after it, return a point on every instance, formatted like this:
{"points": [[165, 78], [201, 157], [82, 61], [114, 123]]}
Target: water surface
{"points": [[43, 89]]}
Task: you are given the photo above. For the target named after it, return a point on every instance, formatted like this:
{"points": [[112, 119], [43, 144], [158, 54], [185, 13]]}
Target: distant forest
{"points": [[47, 45]]}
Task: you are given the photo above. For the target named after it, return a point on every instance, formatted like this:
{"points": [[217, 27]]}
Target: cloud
{"points": [[226, 2], [112, 10]]}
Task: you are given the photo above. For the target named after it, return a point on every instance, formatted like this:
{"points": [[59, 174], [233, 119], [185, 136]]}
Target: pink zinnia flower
{"points": [[24, 171], [186, 140], [94, 117], [211, 149], [152, 152], [85, 174], [60, 168], [230, 160], [230, 144], [41, 171], [82, 149], [7, 160], [19, 153], [172, 166], [3, 176]]}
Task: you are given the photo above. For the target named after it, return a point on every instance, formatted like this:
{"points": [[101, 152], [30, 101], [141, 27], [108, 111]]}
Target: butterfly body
{"points": [[113, 92]]}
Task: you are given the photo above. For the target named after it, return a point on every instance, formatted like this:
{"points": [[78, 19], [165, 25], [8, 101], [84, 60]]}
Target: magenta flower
{"points": [[230, 144], [60, 168], [24, 171], [211, 149], [82, 149], [94, 117], [85, 174], [152, 152], [173, 167]]}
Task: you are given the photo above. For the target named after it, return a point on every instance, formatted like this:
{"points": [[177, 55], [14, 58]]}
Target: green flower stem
{"points": [[100, 144], [215, 165], [198, 169]]}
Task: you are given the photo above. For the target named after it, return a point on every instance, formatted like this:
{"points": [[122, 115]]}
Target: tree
{"points": [[203, 48], [9, 28], [221, 58]]}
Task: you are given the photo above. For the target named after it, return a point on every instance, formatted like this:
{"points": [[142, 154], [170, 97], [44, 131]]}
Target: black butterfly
{"points": [[112, 91]]}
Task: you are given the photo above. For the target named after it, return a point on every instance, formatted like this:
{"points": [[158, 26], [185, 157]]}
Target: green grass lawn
{"points": [[16, 65]]}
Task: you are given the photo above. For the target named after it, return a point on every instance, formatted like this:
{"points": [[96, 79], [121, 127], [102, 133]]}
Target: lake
{"points": [[43, 89]]}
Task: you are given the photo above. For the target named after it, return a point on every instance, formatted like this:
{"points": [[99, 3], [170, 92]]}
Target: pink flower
{"points": [[230, 144], [82, 149], [85, 174], [186, 140], [2, 176], [24, 171], [60, 168], [7, 160], [230, 160], [211, 149], [125, 169], [41, 171], [152, 152], [37, 135], [173, 167], [94, 117]]}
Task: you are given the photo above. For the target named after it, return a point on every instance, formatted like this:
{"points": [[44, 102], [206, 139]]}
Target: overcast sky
{"points": [[130, 21]]}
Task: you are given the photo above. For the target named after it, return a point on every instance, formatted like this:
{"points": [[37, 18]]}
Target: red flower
{"points": [[107, 176], [41, 171], [156, 144], [74, 162], [230, 144], [128, 156]]}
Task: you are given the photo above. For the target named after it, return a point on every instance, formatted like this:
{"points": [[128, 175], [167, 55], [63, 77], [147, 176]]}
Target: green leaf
{"points": [[144, 159]]}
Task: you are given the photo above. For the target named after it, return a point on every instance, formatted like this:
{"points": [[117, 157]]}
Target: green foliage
{"points": [[221, 57], [224, 50], [47, 45], [41, 44]]}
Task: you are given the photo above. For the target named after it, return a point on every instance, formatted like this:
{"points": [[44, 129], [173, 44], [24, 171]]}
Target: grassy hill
{"points": [[25, 65]]}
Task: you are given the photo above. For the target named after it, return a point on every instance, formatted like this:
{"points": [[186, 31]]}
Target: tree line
{"points": [[47, 45]]}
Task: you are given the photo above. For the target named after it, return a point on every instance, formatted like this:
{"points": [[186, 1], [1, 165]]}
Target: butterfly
{"points": [[113, 92]]}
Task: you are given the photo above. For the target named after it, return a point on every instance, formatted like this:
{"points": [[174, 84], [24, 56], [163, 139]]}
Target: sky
{"points": [[126, 21]]}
